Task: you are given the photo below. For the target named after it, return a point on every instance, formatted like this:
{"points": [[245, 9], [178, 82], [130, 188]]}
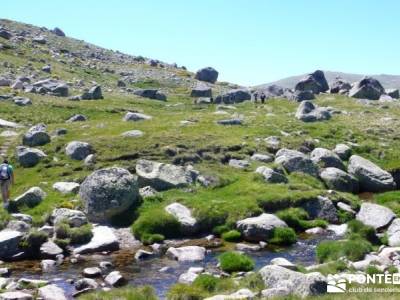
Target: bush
{"points": [[129, 293], [220, 229], [354, 250], [232, 236], [206, 282], [149, 239], [297, 218], [186, 292], [62, 243], [357, 229], [34, 239], [371, 270], [75, 235], [156, 221], [235, 262], [283, 236]]}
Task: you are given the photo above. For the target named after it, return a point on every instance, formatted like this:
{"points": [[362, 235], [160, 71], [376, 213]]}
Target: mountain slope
{"points": [[388, 81]]}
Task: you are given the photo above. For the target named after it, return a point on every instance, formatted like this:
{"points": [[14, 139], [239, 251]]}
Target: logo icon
{"points": [[336, 286]]}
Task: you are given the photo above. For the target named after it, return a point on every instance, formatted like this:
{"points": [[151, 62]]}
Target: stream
{"points": [[148, 272]]}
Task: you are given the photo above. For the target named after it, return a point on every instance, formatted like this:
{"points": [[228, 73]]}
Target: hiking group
{"points": [[6, 180], [262, 97]]}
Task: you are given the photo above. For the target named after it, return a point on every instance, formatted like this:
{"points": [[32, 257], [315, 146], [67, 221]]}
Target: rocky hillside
{"points": [[134, 172], [388, 81]]}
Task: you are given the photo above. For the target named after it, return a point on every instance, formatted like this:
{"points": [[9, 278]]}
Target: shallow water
{"points": [[148, 272]]}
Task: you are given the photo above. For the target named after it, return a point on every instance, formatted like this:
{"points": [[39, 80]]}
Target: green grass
{"points": [[232, 236], [354, 250], [283, 236], [235, 262], [298, 219], [75, 235], [126, 293]]}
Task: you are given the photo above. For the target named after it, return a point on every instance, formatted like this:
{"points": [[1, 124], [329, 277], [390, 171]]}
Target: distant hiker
{"points": [[255, 97], [262, 97], [6, 179], [211, 100]]}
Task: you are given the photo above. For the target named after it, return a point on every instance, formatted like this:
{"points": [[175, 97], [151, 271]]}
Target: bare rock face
{"points": [[108, 192], [367, 88], [315, 82]]}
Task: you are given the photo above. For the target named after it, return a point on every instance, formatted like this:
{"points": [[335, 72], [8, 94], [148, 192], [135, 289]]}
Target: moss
{"points": [[297, 218], [283, 236], [235, 262], [34, 239], [156, 221], [220, 229], [76, 235], [354, 249], [232, 236], [149, 239]]}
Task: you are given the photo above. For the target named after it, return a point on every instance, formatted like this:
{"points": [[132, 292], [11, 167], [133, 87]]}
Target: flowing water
{"points": [[148, 272]]}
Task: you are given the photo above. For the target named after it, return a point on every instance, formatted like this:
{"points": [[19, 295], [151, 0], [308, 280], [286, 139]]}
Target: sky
{"points": [[249, 42]]}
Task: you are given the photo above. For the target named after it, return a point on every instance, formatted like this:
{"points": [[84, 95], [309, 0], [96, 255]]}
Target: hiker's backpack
{"points": [[4, 172]]}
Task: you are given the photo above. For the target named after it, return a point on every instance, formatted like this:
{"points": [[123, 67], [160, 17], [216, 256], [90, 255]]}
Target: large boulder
{"points": [[394, 93], [184, 216], [103, 239], [343, 151], [9, 243], [94, 93], [338, 180], [31, 197], [201, 90], [367, 88], [187, 253], [151, 94], [321, 208], [259, 228], [52, 292], [295, 161], [315, 82], [36, 136], [108, 192], [234, 96], [325, 158], [78, 150], [29, 157], [297, 283], [375, 215], [163, 176], [308, 112], [207, 74], [371, 177]]}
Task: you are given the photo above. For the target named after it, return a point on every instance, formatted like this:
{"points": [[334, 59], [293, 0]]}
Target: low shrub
{"points": [[186, 292], [353, 249], [235, 262], [298, 219], [206, 282], [220, 229], [75, 235], [283, 236], [155, 221], [357, 229], [232, 236], [371, 270]]}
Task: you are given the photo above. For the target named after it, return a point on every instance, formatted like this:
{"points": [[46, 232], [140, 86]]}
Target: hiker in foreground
{"points": [[6, 179]]}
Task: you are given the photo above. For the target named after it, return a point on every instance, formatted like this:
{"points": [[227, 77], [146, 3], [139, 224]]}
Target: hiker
{"points": [[255, 97], [6, 179], [262, 97]]}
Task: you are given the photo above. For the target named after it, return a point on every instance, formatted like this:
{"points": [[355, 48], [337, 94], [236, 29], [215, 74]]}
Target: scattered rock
{"points": [[184, 216], [393, 233], [315, 82], [271, 175], [295, 161], [340, 86], [78, 150], [36, 136], [234, 96], [9, 243], [239, 164], [367, 88], [132, 116], [147, 191], [86, 283], [375, 215], [339, 180], [133, 133], [321, 208], [66, 187], [92, 272], [16, 296], [50, 250], [31, 197], [151, 94], [75, 218], [207, 74], [188, 253], [29, 157], [343, 151], [77, 118], [234, 121], [115, 279], [163, 176], [259, 228], [308, 112], [394, 93], [201, 90], [283, 262], [103, 239], [265, 158], [58, 31], [325, 158]]}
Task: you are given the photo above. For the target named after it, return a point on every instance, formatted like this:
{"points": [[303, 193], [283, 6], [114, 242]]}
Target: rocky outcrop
{"points": [[108, 192], [259, 228], [163, 176], [375, 215], [367, 88], [371, 177], [315, 82]]}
